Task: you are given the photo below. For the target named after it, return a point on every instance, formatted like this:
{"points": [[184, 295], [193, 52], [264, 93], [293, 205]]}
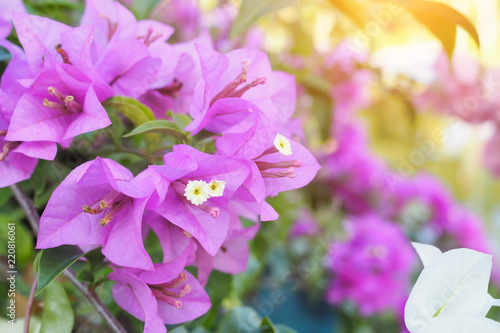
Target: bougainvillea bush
{"points": [[243, 166]]}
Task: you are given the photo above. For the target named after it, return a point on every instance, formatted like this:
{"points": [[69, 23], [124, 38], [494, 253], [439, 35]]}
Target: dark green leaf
{"points": [[5, 195], [95, 258], [252, 10], [116, 128], [53, 262], [160, 126], [57, 312], [85, 275]]}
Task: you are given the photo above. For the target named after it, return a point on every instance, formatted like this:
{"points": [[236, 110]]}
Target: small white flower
{"points": [[196, 192], [216, 188], [282, 144]]}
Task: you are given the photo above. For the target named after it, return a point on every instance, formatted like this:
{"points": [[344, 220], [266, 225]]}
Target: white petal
{"points": [[455, 282], [426, 252], [460, 323]]}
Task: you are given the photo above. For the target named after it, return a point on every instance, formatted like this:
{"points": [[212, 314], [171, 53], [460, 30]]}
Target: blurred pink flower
{"points": [[372, 268]]}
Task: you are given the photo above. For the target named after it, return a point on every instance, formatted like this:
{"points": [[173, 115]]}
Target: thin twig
{"points": [[112, 322], [29, 306], [32, 215], [27, 206]]}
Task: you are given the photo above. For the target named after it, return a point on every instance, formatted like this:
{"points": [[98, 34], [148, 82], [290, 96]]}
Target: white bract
{"points": [[451, 293]]}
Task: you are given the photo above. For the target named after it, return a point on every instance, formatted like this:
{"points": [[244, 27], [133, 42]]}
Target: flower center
{"points": [[7, 147], [171, 90], [113, 202], [231, 90], [148, 37], [66, 104], [164, 293]]}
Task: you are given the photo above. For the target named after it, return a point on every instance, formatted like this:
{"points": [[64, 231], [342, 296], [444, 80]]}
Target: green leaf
{"points": [[57, 312], [86, 275], [180, 329], [5, 195], [160, 126], [23, 239], [354, 10], [95, 258], [53, 262], [442, 20], [138, 114], [251, 10], [180, 119], [242, 319], [116, 129], [266, 326], [134, 110]]}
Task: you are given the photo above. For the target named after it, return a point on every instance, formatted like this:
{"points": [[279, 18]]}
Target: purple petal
{"points": [[126, 228], [135, 297], [194, 304]]}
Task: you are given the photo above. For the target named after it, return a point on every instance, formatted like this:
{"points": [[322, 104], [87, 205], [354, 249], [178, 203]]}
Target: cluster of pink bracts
{"points": [[52, 91]]}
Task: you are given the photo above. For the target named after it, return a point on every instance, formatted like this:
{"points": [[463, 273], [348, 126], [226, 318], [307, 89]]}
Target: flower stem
{"points": [[29, 306], [27, 206], [34, 219]]}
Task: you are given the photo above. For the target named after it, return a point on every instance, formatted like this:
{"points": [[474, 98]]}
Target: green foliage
{"points": [[251, 10], [136, 112], [57, 312], [244, 319], [23, 241], [160, 126], [53, 262]]}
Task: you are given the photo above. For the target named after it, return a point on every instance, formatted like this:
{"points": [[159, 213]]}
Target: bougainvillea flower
{"points": [[173, 240], [59, 106], [166, 295], [243, 73], [185, 16], [207, 222], [98, 205], [376, 256], [304, 225], [177, 95], [18, 159], [359, 178], [6, 10], [233, 255], [131, 56]]}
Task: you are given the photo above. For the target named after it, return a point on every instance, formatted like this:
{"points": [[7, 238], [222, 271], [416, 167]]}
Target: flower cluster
{"points": [[384, 210], [368, 190], [53, 90]]}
